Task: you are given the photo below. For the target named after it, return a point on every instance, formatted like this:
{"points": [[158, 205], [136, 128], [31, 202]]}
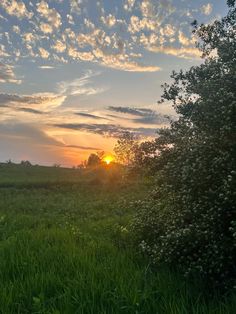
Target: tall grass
{"points": [[64, 248]]}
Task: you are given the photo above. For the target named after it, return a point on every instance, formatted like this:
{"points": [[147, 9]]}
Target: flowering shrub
{"points": [[190, 218]]}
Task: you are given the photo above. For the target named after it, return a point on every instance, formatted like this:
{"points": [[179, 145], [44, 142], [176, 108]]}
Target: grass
{"points": [[65, 248]]}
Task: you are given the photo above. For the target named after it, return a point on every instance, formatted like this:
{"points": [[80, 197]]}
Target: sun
{"points": [[108, 159]]}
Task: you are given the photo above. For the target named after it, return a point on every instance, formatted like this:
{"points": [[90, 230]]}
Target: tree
{"points": [[93, 160], [125, 148], [26, 163], [190, 221]]}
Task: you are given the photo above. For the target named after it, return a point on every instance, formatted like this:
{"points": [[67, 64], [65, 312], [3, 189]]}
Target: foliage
{"points": [[190, 220], [125, 148], [26, 163], [145, 157], [93, 160]]}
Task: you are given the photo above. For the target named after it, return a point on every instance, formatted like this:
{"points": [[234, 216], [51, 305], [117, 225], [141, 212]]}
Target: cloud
{"points": [[16, 29], [42, 101], [80, 86], [146, 116], [122, 62], [182, 52], [129, 4], [168, 30], [207, 9], [30, 37], [109, 20], [89, 115], [107, 130], [43, 53], [46, 67], [16, 8], [24, 141], [59, 46], [7, 75], [46, 28], [184, 40], [83, 147], [76, 6], [30, 110], [83, 56], [3, 52], [129, 110], [148, 24], [51, 15], [136, 24], [157, 9]]}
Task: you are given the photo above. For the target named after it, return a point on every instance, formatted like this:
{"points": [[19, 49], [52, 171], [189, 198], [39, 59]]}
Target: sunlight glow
{"points": [[108, 159]]}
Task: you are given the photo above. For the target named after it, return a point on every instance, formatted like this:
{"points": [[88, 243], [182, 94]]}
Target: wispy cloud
{"points": [[134, 111], [80, 86], [90, 116], [108, 130], [30, 110], [46, 67], [145, 115], [182, 52], [38, 101]]}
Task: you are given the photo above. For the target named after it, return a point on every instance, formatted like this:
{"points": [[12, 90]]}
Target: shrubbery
{"points": [[190, 219]]}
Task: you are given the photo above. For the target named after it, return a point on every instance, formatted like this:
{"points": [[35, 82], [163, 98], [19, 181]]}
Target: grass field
{"points": [[65, 247]]}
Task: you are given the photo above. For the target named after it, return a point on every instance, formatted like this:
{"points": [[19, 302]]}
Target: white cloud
{"points": [[16, 29], [207, 9], [16, 8], [136, 24], [43, 53], [59, 46], [183, 52], [80, 86], [122, 62], [129, 4], [46, 28], [109, 20], [51, 15], [76, 6], [7, 74], [30, 37], [148, 40], [184, 40], [83, 56], [46, 67], [3, 52], [168, 30]]}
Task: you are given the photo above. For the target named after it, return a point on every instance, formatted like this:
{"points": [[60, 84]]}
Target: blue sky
{"points": [[70, 71]]}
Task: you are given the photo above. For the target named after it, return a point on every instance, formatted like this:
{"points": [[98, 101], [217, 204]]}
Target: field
{"points": [[66, 247]]}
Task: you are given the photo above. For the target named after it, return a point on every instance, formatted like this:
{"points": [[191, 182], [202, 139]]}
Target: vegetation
{"points": [[190, 219], [66, 247], [68, 237]]}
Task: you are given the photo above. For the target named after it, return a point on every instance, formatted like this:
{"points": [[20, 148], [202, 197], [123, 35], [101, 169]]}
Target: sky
{"points": [[76, 74]]}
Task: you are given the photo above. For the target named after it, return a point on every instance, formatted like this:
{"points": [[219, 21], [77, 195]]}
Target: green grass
{"points": [[64, 248]]}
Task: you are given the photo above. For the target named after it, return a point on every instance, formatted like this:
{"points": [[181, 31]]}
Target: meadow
{"points": [[66, 247]]}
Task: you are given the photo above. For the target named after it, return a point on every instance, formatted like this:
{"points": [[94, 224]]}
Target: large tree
{"points": [[190, 220]]}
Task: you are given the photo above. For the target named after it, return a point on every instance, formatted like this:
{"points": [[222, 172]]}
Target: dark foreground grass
{"points": [[65, 248]]}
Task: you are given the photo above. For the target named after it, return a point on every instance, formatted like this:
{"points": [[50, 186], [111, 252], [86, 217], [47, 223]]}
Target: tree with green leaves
{"points": [[190, 220], [125, 148]]}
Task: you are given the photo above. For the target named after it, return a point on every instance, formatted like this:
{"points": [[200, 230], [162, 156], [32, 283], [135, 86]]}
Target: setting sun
{"points": [[108, 159]]}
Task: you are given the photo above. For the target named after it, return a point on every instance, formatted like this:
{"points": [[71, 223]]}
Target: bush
{"points": [[190, 218]]}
